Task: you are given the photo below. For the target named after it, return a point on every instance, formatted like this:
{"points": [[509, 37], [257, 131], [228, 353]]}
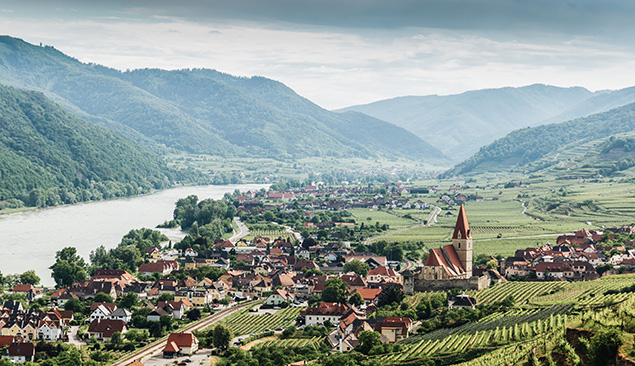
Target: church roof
{"points": [[447, 258], [462, 228]]}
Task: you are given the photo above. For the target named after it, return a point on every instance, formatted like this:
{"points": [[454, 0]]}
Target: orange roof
{"points": [[136, 363], [171, 347], [182, 339], [462, 228], [369, 293]]}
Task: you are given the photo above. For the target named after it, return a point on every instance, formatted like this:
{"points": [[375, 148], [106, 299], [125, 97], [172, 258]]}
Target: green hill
{"points": [[49, 157], [459, 125], [536, 148], [203, 111]]}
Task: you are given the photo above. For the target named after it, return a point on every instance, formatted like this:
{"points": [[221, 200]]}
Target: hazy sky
{"points": [[344, 52]]}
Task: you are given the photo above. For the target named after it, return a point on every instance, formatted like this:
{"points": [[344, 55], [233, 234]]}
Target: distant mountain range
{"points": [[204, 111], [459, 125], [556, 145], [49, 157]]}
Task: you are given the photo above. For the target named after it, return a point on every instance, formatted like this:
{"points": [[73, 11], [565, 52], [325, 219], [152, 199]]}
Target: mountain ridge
{"points": [[201, 111], [460, 124]]}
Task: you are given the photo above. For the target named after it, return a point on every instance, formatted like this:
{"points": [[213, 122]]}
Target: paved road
{"points": [[243, 231], [433, 216], [157, 346]]}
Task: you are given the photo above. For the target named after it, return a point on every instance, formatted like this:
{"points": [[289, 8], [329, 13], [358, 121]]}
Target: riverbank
{"points": [[31, 238]]}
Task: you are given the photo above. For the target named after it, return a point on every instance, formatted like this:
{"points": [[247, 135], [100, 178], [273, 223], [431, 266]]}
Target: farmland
{"points": [[244, 322]]}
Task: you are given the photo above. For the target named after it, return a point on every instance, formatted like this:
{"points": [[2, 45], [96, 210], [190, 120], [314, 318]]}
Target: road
{"points": [[157, 346], [433, 216], [243, 231]]}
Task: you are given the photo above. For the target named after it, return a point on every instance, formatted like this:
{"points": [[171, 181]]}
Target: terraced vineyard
{"points": [[522, 292], [293, 342], [245, 322], [588, 293], [457, 343]]}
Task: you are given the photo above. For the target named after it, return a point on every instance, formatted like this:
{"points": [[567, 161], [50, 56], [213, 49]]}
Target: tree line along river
{"points": [[29, 240]]}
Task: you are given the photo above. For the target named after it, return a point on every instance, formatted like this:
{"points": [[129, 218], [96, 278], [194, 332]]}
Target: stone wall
{"points": [[473, 283]]}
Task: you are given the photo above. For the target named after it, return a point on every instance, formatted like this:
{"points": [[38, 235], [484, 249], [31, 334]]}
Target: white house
{"points": [[278, 297], [101, 312], [121, 314]]}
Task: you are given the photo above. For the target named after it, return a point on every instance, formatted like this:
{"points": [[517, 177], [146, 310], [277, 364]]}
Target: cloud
{"points": [[328, 51]]}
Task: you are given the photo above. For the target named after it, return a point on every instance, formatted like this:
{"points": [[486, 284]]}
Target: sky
{"points": [[339, 53]]}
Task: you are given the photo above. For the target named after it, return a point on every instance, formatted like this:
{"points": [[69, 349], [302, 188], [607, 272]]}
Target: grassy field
{"points": [[383, 217]]}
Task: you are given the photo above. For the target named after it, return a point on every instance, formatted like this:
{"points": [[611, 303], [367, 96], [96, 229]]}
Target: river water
{"points": [[29, 240]]}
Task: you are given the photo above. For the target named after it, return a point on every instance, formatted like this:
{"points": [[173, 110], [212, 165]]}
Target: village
{"points": [[316, 270]]}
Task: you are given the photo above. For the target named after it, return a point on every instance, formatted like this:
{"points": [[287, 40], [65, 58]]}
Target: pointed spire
{"points": [[462, 228]]}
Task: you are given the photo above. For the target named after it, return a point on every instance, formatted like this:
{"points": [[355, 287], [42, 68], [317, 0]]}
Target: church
{"points": [[449, 266]]}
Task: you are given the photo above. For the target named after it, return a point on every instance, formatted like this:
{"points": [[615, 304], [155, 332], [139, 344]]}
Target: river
{"points": [[29, 240]]}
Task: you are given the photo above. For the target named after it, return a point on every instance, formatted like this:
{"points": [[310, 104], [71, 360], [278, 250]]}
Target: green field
{"points": [[244, 322]]}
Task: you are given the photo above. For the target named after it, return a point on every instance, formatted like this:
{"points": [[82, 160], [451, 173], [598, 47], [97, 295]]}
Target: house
{"points": [[383, 274], [156, 314], [278, 297], [176, 308], [393, 329], [182, 343], [198, 297], [161, 266], [121, 314], [101, 310], [62, 296], [103, 329], [31, 292], [153, 254], [461, 301], [325, 312], [189, 252], [21, 352], [369, 294]]}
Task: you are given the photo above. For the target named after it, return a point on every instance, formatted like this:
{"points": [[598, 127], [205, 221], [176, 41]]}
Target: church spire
{"points": [[462, 228]]}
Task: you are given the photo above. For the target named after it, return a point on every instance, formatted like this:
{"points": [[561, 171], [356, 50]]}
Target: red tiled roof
{"points": [[369, 293], [22, 288], [182, 339], [447, 258]]}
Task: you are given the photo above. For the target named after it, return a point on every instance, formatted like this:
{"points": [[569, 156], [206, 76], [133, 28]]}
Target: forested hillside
{"points": [[49, 157], [525, 146], [204, 111]]}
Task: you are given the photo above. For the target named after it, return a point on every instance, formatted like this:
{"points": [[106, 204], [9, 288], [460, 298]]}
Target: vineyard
{"points": [[272, 234], [457, 343], [294, 342], [522, 292], [588, 293], [244, 322]]}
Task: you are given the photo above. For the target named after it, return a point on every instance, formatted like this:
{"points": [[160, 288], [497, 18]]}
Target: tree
{"points": [[68, 268], [166, 297], [137, 335], [30, 278], [367, 341], [604, 346], [335, 291], [193, 314], [74, 305], [392, 293], [116, 339], [102, 297], [356, 299], [221, 337], [128, 301], [357, 266], [289, 331]]}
